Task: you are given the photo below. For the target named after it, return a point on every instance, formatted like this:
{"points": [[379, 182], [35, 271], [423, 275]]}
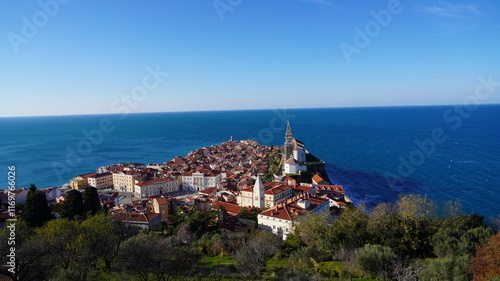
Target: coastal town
{"points": [[281, 183]]}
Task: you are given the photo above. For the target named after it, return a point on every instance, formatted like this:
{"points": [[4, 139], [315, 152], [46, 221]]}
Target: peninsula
{"points": [[280, 184]]}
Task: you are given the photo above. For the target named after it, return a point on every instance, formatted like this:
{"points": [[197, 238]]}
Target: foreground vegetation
{"points": [[411, 239]]}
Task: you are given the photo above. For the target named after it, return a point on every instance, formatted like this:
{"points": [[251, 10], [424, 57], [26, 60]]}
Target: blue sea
{"points": [[377, 153]]}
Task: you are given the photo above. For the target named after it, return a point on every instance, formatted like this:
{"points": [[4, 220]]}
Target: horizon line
{"points": [[250, 109]]}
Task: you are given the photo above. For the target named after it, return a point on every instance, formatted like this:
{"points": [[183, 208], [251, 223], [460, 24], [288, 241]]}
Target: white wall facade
{"points": [[199, 182], [156, 188], [101, 181], [280, 227], [125, 182], [299, 155], [291, 168]]}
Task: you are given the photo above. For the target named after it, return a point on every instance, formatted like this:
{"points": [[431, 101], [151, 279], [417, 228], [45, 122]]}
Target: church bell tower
{"points": [[258, 193], [288, 142]]}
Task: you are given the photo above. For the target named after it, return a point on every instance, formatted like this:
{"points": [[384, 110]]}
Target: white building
{"points": [[294, 156], [281, 219], [252, 196], [274, 193], [51, 193], [201, 179], [153, 187], [299, 154], [125, 180], [293, 166], [100, 181], [21, 194]]}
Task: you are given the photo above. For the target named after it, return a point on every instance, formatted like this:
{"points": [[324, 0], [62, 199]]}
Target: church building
{"points": [[252, 196], [294, 154], [264, 195]]}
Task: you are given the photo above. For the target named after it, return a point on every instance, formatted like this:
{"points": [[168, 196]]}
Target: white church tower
{"points": [[294, 155], [288, 147], [258, 193]]}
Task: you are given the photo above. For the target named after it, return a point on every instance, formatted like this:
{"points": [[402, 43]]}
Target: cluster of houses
{"points": [[229, 163], [225, 177]]}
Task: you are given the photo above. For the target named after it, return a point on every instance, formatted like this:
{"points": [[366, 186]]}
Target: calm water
{"points": [[360, 145]]}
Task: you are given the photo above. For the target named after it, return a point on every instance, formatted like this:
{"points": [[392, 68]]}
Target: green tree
{"points": [[73, 205], [464, 221], [36, 211], [59, 241], [91, 202], [96, 240], [250, 213], [147, 255], [418, 221], [303, 260], [122, 231], [456, 241], [446, 269], [416, 206], [201, 222], [376, 260], [77, 274], [316, 230], [251, 258], [350, 229], [385, 225], [63, 249], [142, 254], [29, 254], [221, 243]]}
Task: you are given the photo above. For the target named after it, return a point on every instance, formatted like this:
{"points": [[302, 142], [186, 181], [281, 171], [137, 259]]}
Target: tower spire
{"points": [[288, 133], [288, 147], [258, 193]]}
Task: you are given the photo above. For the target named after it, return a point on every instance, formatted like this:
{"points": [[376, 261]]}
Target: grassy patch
{"points": [[273, 264], [216, 261]]}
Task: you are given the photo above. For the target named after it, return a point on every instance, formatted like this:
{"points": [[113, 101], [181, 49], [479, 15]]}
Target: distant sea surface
{"points": [[376, 153]]}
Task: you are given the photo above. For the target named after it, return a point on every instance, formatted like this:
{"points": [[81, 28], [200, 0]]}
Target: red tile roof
{"points": [[178, 160], [249, 189], [231, 209], [205, 172], [161, 200], [88, 175], [16, 191], [290, 210], [291, 161], [153, 181], [324, 187], [277, 189], [317, 178], [303, 188], [136, 217], [208, 191]]}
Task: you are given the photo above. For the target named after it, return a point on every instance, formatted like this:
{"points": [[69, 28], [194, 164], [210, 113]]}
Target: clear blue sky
{"points": [[259, 54]]}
